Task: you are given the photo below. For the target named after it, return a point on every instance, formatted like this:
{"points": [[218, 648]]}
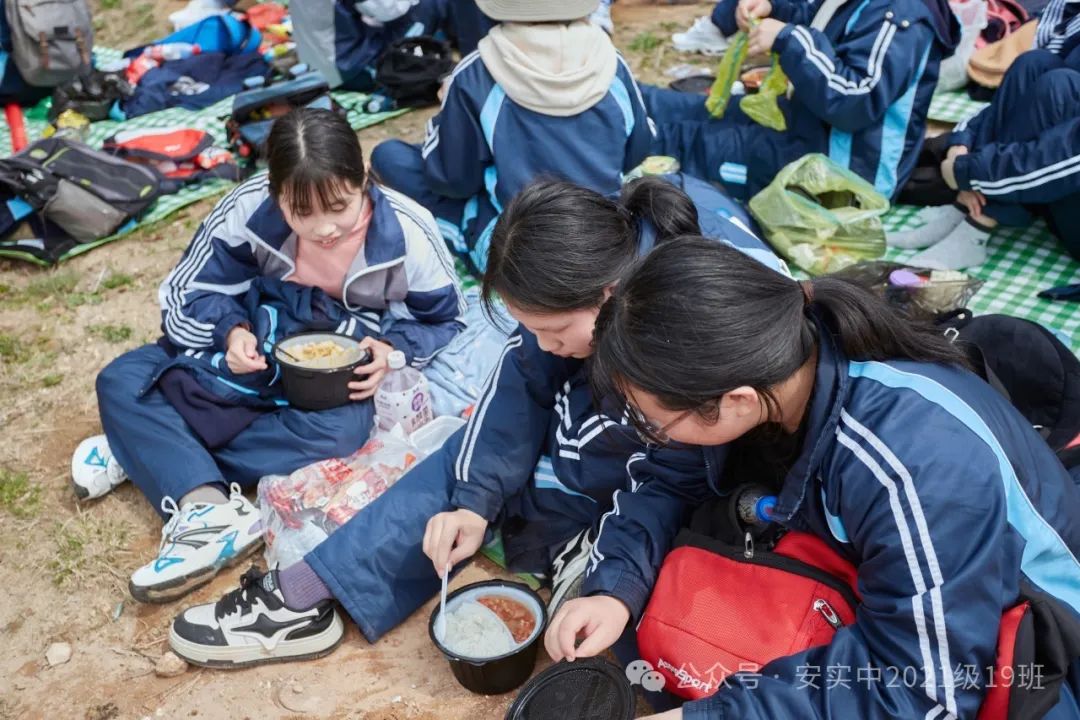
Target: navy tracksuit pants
{"points": [[1039, 94], [164, 457]]}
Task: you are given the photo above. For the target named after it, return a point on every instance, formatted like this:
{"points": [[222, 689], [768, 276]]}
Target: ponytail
{"points": [[696, 319], [866, 328], [557, 247], [666, 207]]}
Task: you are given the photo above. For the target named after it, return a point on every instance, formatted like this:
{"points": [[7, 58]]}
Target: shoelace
{"points": [[169, 507], [243, 597]]}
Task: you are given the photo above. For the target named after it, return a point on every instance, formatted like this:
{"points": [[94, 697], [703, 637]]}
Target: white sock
{"points": [[963, 247], [937, 222]]}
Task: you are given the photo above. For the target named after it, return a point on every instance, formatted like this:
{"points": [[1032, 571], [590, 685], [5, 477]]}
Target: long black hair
{"points": [[313, 155], [695, 319], [557, 246]]}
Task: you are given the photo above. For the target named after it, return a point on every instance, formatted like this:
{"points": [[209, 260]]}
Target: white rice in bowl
{"points": [[475, 632]]}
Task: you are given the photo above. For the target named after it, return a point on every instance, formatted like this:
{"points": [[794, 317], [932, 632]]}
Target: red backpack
{"points": [[718, 609]]}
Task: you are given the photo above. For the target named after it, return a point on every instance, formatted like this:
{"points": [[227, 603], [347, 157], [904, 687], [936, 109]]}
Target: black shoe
{"points": [[252, 626]]}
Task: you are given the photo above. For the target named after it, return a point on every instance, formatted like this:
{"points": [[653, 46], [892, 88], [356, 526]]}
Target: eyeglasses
{"points": [[649, 432]]}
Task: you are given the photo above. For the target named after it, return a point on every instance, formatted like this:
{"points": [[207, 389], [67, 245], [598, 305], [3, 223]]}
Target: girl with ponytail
{"points": [[950, 506]]}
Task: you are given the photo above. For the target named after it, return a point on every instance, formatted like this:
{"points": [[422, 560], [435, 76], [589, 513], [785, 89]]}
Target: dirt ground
{"points": [[64, 565]]}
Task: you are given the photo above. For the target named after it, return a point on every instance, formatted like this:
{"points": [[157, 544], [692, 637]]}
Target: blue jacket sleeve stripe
{"points": [[825, 65], [468, 446], [622, 97], [918, 601], [1047, 561], [432, 139], [1029, 180], [489, 114], [897, 119]]}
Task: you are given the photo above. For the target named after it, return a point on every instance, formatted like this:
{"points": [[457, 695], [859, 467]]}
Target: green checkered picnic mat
{"points": [[1021, 263], [211, 119], [952, 107]]}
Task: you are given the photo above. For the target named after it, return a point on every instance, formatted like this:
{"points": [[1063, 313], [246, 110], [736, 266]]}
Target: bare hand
{"points": [[375, 370], [973, 201], [749, 10], [948, 165], [242, 352], [763, 35], [452, 537], [599, 619]]}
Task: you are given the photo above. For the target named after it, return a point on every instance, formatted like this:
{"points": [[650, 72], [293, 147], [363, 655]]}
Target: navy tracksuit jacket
{"points": [[862, 89], [1025, 147], [542, 461], [483, 148]]}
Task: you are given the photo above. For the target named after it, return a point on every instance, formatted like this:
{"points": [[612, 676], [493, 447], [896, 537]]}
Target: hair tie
{"points": [[807, 287]]}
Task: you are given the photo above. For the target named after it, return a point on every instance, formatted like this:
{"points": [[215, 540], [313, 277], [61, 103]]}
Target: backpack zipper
{"points": [[826, 610], [748, 553]]}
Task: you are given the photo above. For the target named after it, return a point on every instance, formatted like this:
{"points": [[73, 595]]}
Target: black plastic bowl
{"points": [[318, 388], [497, 675], [581, 690]]}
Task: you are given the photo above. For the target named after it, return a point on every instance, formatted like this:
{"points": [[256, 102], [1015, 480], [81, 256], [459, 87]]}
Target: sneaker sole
{"points": [[575, 569], [700, 49], [179, 587], [244, 656]]}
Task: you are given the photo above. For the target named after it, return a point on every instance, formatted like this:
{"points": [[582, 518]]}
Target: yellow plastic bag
{"points": [[821, 216], [762, 107], [727, 72]]}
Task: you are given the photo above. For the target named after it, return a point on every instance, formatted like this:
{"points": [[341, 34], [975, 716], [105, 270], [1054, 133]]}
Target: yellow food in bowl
{"points": [[322, 354]]}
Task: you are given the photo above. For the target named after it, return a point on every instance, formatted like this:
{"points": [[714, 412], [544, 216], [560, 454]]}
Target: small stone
{"points": [[297, 688], [169, 665], [396, 699], [58, 654]]}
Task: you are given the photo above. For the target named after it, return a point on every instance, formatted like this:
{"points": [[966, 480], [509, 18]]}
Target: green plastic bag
{"points": [[820, 216], [762, 107], [727, 72]]}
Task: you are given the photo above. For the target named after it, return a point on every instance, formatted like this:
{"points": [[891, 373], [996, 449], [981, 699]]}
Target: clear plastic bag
{"points": [[919, 293], [302, 509], [820, 216]]}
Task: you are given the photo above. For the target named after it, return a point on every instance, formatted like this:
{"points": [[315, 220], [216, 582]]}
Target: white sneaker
{"points": [[94, 471], [198, 540], [601, 18], [252, 625], [702, 37]]}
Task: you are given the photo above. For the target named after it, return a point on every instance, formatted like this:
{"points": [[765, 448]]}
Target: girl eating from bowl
{"points": [[196, 417], [538, 459], [951, 508]]}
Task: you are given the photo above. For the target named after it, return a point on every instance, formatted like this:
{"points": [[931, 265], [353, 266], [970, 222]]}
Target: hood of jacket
{"points": [[559, 69]]}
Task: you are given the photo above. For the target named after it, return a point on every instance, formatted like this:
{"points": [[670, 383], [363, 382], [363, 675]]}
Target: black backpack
{"points": [[1029, 365], [79, 195], [412, 69]]}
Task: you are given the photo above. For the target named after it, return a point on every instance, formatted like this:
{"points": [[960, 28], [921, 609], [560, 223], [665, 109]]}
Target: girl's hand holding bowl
{"points": [[374, 370]]}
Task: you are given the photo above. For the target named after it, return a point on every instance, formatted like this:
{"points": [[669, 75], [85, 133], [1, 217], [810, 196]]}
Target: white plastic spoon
{"points": [[440, 622]]}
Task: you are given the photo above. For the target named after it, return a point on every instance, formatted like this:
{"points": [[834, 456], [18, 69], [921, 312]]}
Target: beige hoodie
{"points": [[551, 68]]}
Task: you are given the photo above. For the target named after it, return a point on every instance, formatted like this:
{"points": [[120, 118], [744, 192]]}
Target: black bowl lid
{"points": [[591, 689]]}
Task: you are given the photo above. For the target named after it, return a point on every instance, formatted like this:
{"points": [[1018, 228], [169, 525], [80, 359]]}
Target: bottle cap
{"points": [[396, 360]]}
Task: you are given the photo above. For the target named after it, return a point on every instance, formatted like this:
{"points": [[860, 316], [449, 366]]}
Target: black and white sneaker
{"points": [[252, 626], [569, 570]]}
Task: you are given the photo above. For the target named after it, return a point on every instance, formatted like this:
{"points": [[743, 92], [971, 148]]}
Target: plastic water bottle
{"points": [[755, 506], [403, 398], [166, 52]]}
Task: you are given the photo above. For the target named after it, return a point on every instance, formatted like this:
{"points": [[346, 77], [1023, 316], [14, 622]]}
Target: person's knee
{"points": [[1058, 90], [1035, 62], [118, 382], [392, 161]]}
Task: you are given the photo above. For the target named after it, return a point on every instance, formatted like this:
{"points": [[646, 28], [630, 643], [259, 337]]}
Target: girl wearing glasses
{"points": [[949, 504]]}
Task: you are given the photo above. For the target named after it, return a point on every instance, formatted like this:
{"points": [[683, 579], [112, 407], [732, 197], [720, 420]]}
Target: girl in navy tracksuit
{"points": [[862, 88], [947, 501], [365, 260], [538, 458], [545, 95], [1017, 159]]}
